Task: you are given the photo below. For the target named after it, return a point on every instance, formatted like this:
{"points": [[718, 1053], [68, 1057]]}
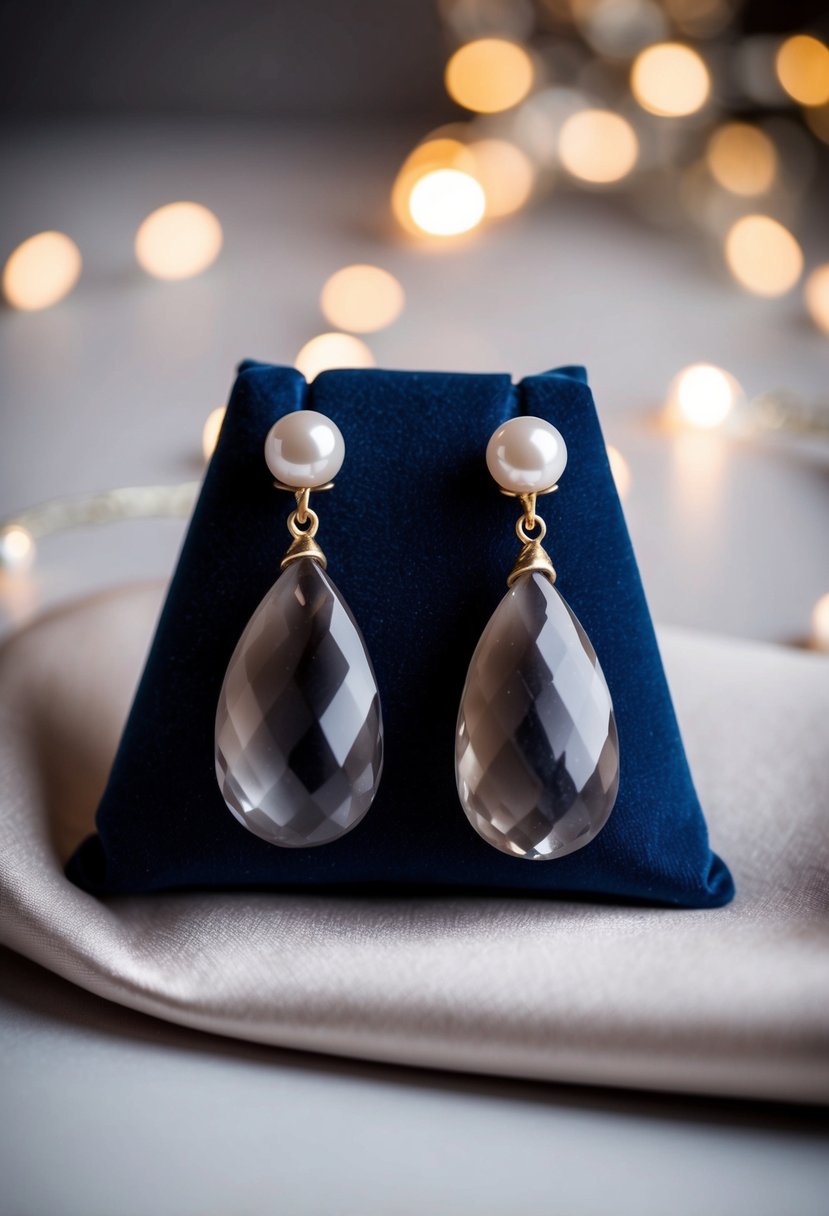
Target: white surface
{"points": [[109, 1112], [112, 386]]}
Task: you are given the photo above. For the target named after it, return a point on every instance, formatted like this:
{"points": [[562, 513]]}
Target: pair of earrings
{"points": [[299, 730]]}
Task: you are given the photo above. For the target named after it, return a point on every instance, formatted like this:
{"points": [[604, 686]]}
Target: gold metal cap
{"points": [[533, 558], [303, 545]]}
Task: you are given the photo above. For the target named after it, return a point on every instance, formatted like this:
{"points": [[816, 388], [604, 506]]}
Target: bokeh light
{"points": [[620, 469], [489, 75], [702, 396], [362, 299], [447, 202], [41, 271], [210, 431], [763, 256], [670, 79], [802, 65], [178, 241], [598, 146], [439, 152], [17, 548], [505, 173], [820, 623], [332, 350], [816, 294], [742, 158]]}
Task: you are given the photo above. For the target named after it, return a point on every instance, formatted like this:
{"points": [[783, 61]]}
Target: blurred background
{"points": [[470, 185]]}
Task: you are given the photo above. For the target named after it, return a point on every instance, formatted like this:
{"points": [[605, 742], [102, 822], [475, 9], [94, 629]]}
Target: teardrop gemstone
{"points": [[299, 733], [536, 751]]}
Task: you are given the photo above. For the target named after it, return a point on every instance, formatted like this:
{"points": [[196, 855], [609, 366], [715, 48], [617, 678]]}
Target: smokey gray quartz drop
{"points": [[536, 752], [299, 734]]}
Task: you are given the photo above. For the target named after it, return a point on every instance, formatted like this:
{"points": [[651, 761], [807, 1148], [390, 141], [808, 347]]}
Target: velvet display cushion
{"points": [[419, 543]]}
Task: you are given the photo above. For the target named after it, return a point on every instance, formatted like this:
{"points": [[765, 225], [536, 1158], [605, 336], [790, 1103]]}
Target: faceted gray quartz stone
{"points": [[299, 734], [536, 752]]}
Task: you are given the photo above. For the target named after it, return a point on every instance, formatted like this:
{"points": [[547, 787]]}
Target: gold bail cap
{"points": [[533, 559], [303, 545]]}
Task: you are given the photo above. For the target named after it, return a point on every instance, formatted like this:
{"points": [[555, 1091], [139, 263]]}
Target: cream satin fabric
{"points": [[734, 1001]]}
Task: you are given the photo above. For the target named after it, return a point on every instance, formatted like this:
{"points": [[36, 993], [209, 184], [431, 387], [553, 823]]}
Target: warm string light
{"points": [[742, 159], [489, 75], [178, 241], [448, 185], [802, 65], [17, 548], [41, 271], [670, 79], [362, 299], [702, 397], [763, 255], [447, 202], [439, 152], [598, 146], [332, 350]]}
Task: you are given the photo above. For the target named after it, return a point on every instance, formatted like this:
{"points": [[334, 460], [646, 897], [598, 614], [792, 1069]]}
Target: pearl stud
{"points": [[526, 455], [304, 450]]}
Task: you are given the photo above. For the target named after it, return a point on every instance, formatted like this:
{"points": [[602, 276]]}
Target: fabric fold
{"points": [[730, 1001]]}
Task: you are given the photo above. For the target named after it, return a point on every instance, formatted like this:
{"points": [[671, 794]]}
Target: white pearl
{"points": [[304, 449], [526, 455]]}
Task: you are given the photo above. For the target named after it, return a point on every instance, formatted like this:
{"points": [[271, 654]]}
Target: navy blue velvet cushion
{"points": [[419, 543]]}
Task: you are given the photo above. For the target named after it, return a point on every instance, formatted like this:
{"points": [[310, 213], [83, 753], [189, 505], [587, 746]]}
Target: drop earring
{"points": [[299, 732], [536, 748]]}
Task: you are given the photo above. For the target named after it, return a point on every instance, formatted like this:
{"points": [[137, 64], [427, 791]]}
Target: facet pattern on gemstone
{"points": [[536, 750], [299, 732]]}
